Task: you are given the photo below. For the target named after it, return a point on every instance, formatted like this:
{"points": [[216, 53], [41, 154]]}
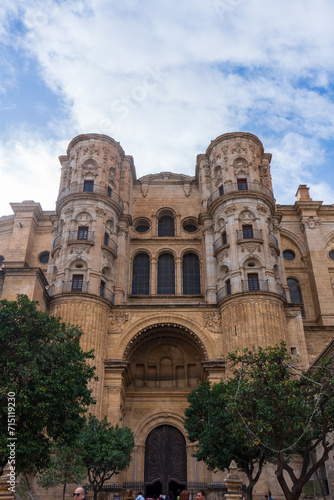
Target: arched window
{"points": [[166, 226], [191, 275], [166, 274], [295, 293], [141, 274]]}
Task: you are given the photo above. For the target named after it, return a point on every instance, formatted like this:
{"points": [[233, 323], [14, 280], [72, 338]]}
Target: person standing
{"points": [[267, 495], [140, 496], [200, 495], [79, 494]]}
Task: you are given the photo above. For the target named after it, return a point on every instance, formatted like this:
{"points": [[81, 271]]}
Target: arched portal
{"points": [[165, 461]]}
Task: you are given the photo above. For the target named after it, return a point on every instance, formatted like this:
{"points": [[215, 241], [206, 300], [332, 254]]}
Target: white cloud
{"points": [[164, 78]]}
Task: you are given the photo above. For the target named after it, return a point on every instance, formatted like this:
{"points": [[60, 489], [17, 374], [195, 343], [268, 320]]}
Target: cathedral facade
{"points": [[167, 274]]}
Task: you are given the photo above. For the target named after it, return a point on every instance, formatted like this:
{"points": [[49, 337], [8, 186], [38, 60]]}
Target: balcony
{"points": [[83, 237], [57, 242], [111, 245], [253, 287], [72, 287], [219, 243], [249, 234], [95, 189], [107, 294], [252, 187]]}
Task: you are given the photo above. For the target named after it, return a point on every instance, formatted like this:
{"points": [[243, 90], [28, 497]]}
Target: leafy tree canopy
{"points": [[106, 450], [285, 411], [42, 363], [210, 421], [268, 410]]}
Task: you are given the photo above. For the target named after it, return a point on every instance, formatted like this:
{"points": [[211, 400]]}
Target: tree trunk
{"points": [[64, 491]]}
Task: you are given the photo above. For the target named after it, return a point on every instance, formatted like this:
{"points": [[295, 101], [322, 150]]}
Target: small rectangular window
{"points": [[102, 288], [253, 282], [242, 185], [221, 190], [106, 239], [77, 282], [88, 186], [247, 231], [294, 351], [109, 192], [228, 287], [83, 233], [224, 238]]}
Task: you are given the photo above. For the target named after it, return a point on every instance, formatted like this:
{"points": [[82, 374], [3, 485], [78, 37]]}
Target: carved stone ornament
{"points": [[144, 189], [139, 412], [312, 223], [251, 248], [239, 149], [69, 211], [116, 321], [212, 322], [101, 212], [186, 189], [206, 168], [230, 209], [114, 389]]}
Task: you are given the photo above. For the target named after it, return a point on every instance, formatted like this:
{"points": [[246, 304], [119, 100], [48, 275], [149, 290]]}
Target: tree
{"points": [[66, 467], [43, 372], [285, 411], [106, 450], [210, 421]]}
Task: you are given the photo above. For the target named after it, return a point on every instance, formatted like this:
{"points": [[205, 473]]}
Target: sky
{"points": [[164, 78]]}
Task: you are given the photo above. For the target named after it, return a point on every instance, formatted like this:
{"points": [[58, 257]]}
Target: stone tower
{"points": [[242, 241]]}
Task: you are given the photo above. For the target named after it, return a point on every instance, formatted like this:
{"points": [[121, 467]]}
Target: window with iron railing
{"points": [[77, 282], [88, 186], [83, 232]]}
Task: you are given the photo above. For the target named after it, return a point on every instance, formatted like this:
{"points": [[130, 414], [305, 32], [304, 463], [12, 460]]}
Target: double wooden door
{"points": [[165, 461]]}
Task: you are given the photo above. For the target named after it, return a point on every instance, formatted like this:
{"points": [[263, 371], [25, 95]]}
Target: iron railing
{"points": [[107, 294], [220, 242], [254, 234], [246, 287], [272, 239], [84, 236], [112, 245], [233, 188], [57, 241], [80, 188]]}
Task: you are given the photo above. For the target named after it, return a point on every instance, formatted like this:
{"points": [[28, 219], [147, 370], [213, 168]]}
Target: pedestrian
{"points": [[267, 495], [184, 495], [140, 496], [200, 495], [79, 493]]}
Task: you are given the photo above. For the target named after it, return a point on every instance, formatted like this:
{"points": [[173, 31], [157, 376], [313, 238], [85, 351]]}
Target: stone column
{"points": [[178, 275], [211, 275], [121, 261]]}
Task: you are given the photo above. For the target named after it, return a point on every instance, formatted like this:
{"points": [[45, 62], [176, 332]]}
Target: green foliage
{"points": [[66, 467], [41, 361], [210, 420], [285, 411], [106, 450], [267, 411]]}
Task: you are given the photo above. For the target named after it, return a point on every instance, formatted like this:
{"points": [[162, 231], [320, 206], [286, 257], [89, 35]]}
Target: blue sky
{"points": [[164, 78]]}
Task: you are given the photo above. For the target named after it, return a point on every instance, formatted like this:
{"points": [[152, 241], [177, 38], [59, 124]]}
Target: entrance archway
{"points": [[165, 461]]}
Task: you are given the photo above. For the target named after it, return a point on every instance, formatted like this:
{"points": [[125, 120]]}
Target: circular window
{"points": [[289, 255], [331, 254], [141, 225], [190, 225], [44, 257]]}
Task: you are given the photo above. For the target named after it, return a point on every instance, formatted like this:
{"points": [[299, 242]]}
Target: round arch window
{"points": [[289, 255], [331, 254], [44, 257]]}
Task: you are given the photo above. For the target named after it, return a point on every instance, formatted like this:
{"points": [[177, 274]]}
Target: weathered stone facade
{"points": [[168, 273]]}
